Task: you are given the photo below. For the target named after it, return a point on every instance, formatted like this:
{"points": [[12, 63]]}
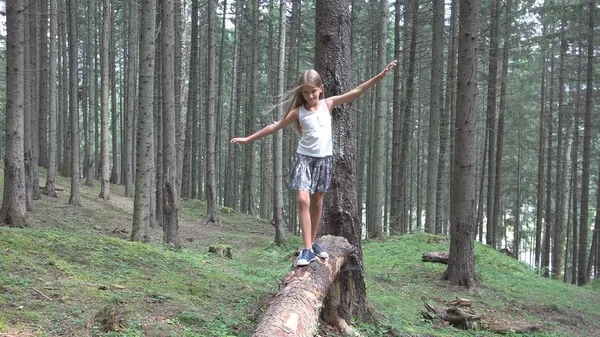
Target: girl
{"points": [[311, 175]]}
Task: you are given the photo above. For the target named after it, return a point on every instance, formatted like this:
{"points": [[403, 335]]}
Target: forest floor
{"points": [[73, 272]]}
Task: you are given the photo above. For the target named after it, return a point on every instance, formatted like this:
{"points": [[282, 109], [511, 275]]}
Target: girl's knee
{"points": [[303, 202]]}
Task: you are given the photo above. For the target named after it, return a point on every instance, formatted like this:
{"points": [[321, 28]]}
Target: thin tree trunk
{"points": [[378, 147], [74, 198], [435, 107], [539, 209], [192, 107], [248, 203], [407, 117], [278, 139], [212, 210], [170, 191], [491, 223], [105, 173], [145, 138], [90, 72], [230, 181], [395, 197], [582, 275], [501, 113], [443, 193], [50, 188], [43, 89]]}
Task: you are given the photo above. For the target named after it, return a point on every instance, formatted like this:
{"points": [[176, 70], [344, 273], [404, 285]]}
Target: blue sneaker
{"points": [[306, 257], [319, 251]]}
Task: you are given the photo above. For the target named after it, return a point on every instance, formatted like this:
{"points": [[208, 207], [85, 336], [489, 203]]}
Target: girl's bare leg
{"points": [[316, 209], [304, 215]]}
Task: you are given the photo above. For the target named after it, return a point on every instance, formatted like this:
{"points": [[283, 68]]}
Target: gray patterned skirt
{"points": [[311, 174]]}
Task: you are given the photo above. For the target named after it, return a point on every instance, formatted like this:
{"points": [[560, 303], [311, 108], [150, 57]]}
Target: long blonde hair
{"points": [[310, 77]]}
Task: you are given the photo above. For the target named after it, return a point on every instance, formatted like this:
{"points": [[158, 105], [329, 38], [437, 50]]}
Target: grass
{"points": [[73, 266]]}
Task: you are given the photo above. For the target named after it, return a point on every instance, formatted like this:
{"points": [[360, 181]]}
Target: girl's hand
{"points": [[390, 66], [240, 140]]}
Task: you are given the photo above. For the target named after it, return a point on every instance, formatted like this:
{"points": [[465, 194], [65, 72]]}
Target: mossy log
{"points": [[461, 315], [223, 250], [439, 257], [307, 293]]}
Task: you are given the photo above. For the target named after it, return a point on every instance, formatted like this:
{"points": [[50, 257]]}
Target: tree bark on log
{"points": [[309, 292], [440, 257]]}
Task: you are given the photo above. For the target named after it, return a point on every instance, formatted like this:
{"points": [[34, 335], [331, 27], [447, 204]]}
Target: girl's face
{"points": [[311, 93]]}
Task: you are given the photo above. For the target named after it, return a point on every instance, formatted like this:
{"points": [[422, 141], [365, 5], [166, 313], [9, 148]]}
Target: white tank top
{"points": [[315, 139]]}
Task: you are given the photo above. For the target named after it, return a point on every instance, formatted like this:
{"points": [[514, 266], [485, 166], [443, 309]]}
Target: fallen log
{"points": [[460, 314], [439, 257], [307, 293]]}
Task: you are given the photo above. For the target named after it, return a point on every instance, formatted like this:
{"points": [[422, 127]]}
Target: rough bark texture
{"points": [[307, 291], [74, 198], [332, 61], [105, 173], [440, 257], [13, 201], [170, 199], [461, 262], [50, 188], [145, 126]]}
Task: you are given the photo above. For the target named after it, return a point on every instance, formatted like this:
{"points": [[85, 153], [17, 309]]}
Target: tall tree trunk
{"points": [[461, 261], [212, 210], [379, 130], [395, 195], [192, 107], [575, 188], [582, 275], [90, 72], [43, 106], [332, 61], [407, 118], [248, 203], [501, 113], [230, 182], [545, 262], [35, 101], [28, 106], [278, 139], [563, 177], [491, 223], [220, 161], [116, 177], [130, 97], [105, 173], [443, 193], [539, 209], [435, 107], [65, 167], [50, 188], [145, 127], [169, 185], [74, 198], [13, 211]]}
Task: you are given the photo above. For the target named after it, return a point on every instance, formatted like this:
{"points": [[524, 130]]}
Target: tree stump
{"points": [[223, 250], [308, 292], [461, 315]]}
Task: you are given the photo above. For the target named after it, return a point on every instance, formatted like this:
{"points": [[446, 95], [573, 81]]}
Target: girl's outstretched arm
{"points": [[267, 130], [361, 89]]}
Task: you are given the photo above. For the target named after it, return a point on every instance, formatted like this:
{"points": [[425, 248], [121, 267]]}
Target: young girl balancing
{"points": [[311, 175]]}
